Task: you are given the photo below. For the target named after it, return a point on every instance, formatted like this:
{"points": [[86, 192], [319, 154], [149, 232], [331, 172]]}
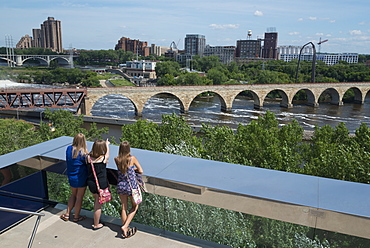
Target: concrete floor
{"points": [[53, 232]]}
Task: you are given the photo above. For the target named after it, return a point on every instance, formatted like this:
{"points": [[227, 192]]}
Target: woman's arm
{"points": [[107, 155], [138, 168]]}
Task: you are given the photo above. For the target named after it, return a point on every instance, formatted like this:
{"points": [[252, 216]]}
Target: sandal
{"points": [[64, 217], [131, 232], [97, 227], [80, 218]]}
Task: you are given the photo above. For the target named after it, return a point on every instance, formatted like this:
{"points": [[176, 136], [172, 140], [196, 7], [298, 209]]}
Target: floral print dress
{"points": [[125, 181]]}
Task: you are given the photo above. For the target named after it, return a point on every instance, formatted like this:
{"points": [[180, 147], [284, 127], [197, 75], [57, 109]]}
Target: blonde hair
{"points": [[99, 149], [124, 154], [79, 145]]}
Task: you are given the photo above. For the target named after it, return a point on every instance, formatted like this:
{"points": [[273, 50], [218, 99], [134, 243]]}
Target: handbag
{"points": [[140, 182], [136, 193], [104, 194]]}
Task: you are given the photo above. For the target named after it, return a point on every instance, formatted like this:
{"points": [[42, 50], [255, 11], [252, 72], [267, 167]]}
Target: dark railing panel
{"points": [[28, 193]]}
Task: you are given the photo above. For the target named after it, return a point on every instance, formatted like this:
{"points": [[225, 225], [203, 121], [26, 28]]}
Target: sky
{"points": [[99, 24]]}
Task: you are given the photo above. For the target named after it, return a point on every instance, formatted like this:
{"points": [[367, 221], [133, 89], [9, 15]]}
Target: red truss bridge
{"points": [[41, 98]]}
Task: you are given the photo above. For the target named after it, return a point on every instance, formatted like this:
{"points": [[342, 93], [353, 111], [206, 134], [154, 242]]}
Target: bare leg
{"points": [[78, 203], [71, 202], [124, 203], [97, 212], [130, 215]]}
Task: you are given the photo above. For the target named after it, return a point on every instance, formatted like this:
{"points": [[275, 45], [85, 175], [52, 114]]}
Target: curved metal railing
{"points": [[39, 215]]}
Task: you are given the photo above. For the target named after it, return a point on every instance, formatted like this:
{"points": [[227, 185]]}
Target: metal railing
{"points": [[39, 215]]}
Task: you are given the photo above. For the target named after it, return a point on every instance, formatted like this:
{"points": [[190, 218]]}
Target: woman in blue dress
{"points": [[127, 166], [77, 176]]}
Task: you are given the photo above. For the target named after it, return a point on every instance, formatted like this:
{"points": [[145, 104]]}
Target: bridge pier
{"points": [[226, 109], [313, 104], [286, 105]]}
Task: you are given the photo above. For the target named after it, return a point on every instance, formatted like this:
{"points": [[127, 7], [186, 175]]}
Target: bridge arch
{"points": [[336, 97], [224, 105], [311, 98], [182, 107], [358, 97], [91, 102], [256, 99], [7, 60], [64, 60], [286, 101], [40, 59]]}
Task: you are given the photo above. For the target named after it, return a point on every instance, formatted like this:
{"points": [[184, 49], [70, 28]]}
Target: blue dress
{"points": [[123, 185], [76, 169]]}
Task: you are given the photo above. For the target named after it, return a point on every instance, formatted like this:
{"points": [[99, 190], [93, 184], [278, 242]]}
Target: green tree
{"points": [[143, 135], [217, 76], [63, 123], [17, 134]]}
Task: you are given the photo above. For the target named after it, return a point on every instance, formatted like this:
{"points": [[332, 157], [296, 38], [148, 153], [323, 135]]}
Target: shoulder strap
{"points": [[93, 170]]}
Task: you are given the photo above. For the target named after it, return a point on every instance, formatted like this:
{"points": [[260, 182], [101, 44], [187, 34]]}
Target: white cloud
{"points": [[332, 21], [258, 13], [293, 33], [355, 32], [300, 19], [224, 26], [312, 18], [319, 34]]}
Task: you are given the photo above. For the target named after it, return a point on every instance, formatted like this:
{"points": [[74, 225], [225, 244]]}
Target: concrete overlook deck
{"points": [[53, 232]]}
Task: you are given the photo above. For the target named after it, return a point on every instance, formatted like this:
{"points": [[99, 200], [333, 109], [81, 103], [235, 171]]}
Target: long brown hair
{"points": [[99, 149], [79, 145], [124, 154]]}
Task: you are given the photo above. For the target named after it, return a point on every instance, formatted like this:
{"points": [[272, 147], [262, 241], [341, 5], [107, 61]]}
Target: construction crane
{"points": [[320, 42]]}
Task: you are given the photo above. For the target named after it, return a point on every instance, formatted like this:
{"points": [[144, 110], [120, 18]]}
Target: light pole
{"points": [[313, 72]]}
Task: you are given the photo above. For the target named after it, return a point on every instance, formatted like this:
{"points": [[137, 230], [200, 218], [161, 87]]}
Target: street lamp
{"points": [[313, 62]]}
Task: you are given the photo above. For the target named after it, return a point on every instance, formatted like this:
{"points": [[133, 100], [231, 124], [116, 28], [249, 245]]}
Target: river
{"points": [[208, 110]]}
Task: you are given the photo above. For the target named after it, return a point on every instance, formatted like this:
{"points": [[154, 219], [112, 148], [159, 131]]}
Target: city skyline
{"points": [[100, 24]]}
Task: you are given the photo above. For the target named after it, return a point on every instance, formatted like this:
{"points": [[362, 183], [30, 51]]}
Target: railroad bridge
{"points": [[227, 94]]}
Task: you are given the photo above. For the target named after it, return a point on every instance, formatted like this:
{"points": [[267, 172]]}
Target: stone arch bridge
{"points": [[227, 94]]}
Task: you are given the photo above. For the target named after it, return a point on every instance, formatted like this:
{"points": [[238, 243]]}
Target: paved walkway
{"points": [[53, 232]]}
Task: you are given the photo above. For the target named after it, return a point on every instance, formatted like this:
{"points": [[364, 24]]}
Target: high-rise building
{"points": [[195, 44], [51, 35], [269, 50], [36, 41], [136, 46], [25, 42]]}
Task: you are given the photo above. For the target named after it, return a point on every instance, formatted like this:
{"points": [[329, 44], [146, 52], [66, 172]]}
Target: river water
{"points": [[208, 110]]}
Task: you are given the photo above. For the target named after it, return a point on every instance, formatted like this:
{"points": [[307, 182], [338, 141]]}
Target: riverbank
{"points": [[114, 124]]}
